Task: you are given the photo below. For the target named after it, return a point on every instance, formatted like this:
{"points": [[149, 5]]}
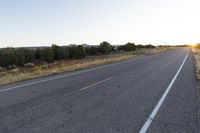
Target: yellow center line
{"points": [[89, 86]]}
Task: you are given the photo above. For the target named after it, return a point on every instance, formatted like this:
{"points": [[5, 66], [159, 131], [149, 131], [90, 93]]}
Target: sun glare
{"points": [[193, 45]]}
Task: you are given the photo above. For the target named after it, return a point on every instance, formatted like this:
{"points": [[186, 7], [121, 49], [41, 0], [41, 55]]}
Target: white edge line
{"points": [[64, 76], [154, 112]]}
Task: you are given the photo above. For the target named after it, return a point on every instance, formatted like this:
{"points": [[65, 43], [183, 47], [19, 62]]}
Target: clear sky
{"points": [[43, 22]]}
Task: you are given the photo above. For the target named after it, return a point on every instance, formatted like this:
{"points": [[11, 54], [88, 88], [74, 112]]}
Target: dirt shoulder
{"points": [[196, 53]]}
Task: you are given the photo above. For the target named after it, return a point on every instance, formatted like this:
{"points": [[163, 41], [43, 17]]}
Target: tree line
{"points": [[21, 56]]}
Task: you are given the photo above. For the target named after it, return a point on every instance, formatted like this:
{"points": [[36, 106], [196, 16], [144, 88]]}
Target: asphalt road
{"points": [[116, 98]]}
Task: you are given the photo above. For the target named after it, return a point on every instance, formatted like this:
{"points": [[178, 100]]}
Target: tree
{"points": [[19, 57], [93, 50], [38, 53], [47, 54], [80, 51], [149, 46], [63, 53], [140, 46], [72, 52], [55, 51], [7, 57], [105, 48], [77, 52], [128, 47], [29, 55], [145, 46]]}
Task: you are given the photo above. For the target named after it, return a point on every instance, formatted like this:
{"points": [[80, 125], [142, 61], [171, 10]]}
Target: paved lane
{"points": [[114, 98]]}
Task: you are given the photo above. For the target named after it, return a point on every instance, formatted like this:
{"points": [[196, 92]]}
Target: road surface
{"points": [[154, 94]]}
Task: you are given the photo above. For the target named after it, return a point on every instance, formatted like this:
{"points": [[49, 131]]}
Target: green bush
{"points": [[80, 52], [63, 53], [47, 54], [127, 47], [21, 56], [7, 57], [145, 46], [105, 48], [77, 52], [29, 55], [93, 50], [38, 54], [55, 51], [72, 52]]}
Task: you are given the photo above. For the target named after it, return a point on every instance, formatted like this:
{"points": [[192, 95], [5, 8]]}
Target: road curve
{"points": [[115, 98]]}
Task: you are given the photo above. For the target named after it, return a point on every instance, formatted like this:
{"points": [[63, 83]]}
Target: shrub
{"points": [[47, 55], [63, 53], [7, 57], [20, 57], [38, 53], [105, 48], [127, 47], [77, 52], [23, 56], [145, 46], [72, 52], [55, 51], [93, 50], [80, 52]]}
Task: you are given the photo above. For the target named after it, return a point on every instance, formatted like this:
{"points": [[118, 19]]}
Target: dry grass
{"points": [[196, 53], [69, 65], [152, 51]]}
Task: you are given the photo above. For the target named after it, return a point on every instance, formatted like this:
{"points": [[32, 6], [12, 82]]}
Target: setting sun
{"points": [[192, 45]]}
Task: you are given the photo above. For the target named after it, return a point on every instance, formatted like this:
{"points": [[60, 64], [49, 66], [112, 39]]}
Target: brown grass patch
{"points": [[196, 53]]}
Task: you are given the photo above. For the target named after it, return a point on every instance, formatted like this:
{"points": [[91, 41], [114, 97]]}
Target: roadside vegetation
{"points": [[196, 52], [18, 64]]}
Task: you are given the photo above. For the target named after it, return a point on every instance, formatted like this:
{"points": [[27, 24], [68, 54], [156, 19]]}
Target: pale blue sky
{"points": [[43, 22]]}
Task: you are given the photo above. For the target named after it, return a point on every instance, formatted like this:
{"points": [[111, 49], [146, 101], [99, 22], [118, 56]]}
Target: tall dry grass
{"points": [[196, 53]]}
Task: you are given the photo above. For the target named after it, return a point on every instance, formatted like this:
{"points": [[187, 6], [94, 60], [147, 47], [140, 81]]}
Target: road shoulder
{"points": [[196, 54]]}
